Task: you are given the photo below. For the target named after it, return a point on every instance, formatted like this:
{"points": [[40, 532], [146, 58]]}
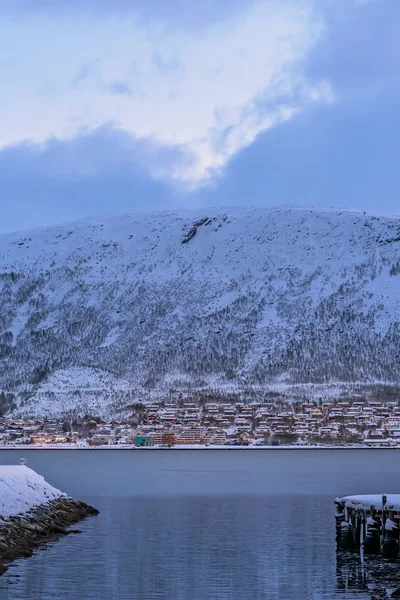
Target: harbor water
{"points": [[205, 524]]}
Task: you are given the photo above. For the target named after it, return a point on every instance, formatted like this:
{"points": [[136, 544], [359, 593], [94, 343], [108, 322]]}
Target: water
{"points": [[205, 525]]}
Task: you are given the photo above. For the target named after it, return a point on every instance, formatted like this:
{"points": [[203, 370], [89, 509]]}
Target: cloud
{"points": [[101, 172], [119, 87], [205, 95]]}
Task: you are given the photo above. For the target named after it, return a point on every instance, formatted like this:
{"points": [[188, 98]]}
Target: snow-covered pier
{"points": [[370, 524], [32, 511]]}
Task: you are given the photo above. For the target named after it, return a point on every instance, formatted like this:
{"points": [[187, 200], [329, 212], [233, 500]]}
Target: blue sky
{"points": [[130, 105]]}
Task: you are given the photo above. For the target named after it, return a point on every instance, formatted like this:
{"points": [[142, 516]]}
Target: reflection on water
{"points": [[218, 548], [351, 574], [206, 526], [378, 579], [199, 548]]}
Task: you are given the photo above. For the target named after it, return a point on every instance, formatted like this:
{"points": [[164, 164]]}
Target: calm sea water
{"points": [[205, 525]]}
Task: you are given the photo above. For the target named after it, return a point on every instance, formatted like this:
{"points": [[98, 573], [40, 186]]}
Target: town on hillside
{"points": [[350, 422]]}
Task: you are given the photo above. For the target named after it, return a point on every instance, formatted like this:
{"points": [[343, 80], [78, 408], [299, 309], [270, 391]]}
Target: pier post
{"points": [[373, 530], [355, 528], [383, 519], [372, 542], [339, 518], [390, 546], [362, 528]]}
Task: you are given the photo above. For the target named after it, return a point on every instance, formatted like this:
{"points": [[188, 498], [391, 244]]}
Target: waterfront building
{"points": [[144, 440]]}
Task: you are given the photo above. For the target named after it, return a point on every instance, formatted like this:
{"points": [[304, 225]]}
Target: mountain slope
{"points": [[108, 309]]}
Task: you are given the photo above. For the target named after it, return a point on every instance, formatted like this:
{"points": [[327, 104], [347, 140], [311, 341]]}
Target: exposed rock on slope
{"points": [[100, 312]]}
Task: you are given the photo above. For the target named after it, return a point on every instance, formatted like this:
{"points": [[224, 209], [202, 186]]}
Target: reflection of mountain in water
{"points": [[377, 578]]}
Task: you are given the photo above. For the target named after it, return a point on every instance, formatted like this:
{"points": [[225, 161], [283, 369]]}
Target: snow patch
{"points": [[22, 489], [19, 322], [368, 500], [111, 337]]}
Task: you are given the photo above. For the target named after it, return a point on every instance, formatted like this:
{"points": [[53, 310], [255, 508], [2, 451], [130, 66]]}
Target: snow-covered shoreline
{"points": [[130, 447], [31, 512], [22, 489]]}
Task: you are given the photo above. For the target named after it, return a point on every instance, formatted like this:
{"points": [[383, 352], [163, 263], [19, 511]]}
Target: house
{"points": [[168, 438]]}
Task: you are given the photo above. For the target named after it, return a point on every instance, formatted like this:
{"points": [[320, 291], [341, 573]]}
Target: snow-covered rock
{"points": [[99, 314], [32, 512], [22, 489]]}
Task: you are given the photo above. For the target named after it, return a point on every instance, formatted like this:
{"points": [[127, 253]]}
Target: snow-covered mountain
{"points": [[104, 312]]}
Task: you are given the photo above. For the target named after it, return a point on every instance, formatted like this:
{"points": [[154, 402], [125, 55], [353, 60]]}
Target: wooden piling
{"points": [[369, 524]]}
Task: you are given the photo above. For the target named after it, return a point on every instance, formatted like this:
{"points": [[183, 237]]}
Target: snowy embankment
{"points": [[32, 511], [22, 489]]}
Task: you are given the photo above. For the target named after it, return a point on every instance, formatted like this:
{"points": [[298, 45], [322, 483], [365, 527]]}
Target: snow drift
{"points": [[22, 489]]}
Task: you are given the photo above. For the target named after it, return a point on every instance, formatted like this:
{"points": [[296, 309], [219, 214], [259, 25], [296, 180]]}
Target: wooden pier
{"points": [[369, 524]]}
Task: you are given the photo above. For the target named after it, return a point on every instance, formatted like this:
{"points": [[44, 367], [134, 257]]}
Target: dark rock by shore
{"points": [[20, 535]]}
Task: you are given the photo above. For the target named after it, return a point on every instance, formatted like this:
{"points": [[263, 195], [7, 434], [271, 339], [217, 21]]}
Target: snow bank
{"points": [[366, 501], [22, 489]]}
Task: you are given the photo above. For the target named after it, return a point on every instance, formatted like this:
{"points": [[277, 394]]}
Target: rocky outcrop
{"points": [[189, 235], [20, 535]]}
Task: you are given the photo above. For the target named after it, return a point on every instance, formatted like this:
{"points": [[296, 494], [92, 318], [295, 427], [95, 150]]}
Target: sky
{"points": [[132, 106]]}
